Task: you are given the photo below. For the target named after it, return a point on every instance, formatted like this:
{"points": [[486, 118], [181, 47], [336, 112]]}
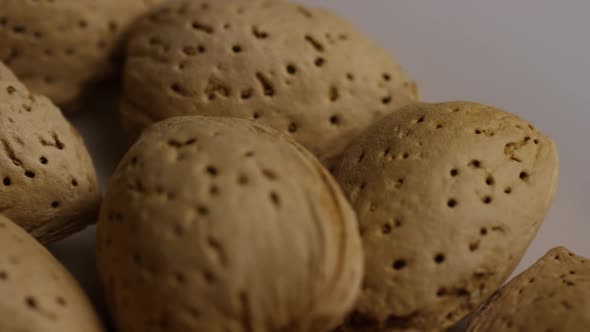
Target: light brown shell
{"points": [[448, 198], [58, 47], [221, 224], [38, 294], [552, 295], [303, 71], [48, 184]]}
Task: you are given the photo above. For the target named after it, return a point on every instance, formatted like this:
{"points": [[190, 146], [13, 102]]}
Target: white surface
{"points": [[531, 58]]}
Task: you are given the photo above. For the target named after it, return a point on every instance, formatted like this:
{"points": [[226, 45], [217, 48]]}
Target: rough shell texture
{"points": [[57, 47], [552, 295], [38, 294], [300, 70], [221, 224], [448, 197], [47, 180]]}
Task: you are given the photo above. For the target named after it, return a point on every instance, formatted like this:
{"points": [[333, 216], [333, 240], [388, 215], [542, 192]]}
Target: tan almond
{"points": [[59, 47], [38, 294], [222, 224], [303, 71], [552, 295], [448, 197], [48, 184]]}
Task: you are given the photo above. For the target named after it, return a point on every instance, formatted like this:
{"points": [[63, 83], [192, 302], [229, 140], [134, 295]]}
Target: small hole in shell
{"points": [[212, 170], [243, 180], [31, 302], [246, 94], [291, 69], [275, 199], [269, 174], [439, 258], [202, 210], [386, 229], [399, 264], [475, 163], [335, 120], [61, 301], [214, 190]]}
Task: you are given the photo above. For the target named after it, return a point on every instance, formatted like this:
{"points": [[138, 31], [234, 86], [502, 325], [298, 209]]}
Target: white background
{"points": [[531, 58]]}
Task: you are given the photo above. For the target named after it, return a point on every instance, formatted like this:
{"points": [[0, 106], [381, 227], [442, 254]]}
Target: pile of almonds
{"points": [[283, 177]]}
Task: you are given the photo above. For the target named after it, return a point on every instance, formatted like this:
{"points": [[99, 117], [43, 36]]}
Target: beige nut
{"points": [[58, 47], [48, 184], [38, 294], [222, 224], [303, 71], [552, 295], [448, 197]]}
